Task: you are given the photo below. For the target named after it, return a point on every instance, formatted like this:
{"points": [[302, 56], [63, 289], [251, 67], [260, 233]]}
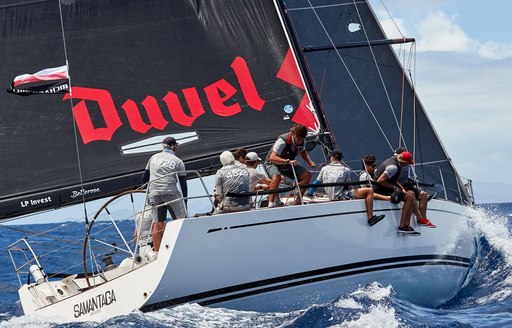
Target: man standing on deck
{"points": [[163, 171], [281, 160]]}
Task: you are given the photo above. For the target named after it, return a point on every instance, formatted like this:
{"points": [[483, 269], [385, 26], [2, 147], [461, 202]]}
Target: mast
{"points": [[328, 140]]}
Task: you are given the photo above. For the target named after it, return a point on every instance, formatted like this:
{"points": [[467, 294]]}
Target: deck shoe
{"points": [[429, 197], [375, 219], [278, 204], [408, 231], [426, 223]]}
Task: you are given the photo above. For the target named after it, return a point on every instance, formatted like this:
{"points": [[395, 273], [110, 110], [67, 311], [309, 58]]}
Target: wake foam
{"points": [[490, 279]]}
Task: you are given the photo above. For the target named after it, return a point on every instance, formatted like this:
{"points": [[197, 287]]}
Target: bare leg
{"points": [[423, 204], [304, 179], [409, 200], [367, 194], [276, 179], [158, 233], [381, 197], [416, 210]]}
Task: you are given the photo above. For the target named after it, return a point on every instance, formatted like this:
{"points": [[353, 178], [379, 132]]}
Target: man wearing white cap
{"points": [[259, 180], [231, 178]]}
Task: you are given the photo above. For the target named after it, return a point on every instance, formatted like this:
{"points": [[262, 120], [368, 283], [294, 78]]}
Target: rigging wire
{"points": [[380, 75], [73, 115], [392, 20], [349, 73]]}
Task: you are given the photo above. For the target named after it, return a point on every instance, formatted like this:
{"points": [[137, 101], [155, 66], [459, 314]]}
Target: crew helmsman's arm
{"points": [[308, 160], [384, 182], [145, 176], [276, 159], [183, 184]]}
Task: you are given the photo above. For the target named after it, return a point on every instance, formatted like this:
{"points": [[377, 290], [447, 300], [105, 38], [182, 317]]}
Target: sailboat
{"points": [[217, 75]]}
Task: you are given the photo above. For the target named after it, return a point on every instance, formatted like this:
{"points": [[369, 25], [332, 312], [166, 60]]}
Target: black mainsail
{"points": [[369, 104], [215, 74], [229, 81]]}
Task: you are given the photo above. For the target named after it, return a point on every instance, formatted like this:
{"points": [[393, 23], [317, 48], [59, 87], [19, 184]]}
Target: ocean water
{"points": [[485, 300]]}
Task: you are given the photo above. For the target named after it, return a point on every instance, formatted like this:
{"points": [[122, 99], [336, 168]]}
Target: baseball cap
{"points": [[226, 158], [252, 156], [405, 157], [337, 154], [398, 151], [170, 141]]}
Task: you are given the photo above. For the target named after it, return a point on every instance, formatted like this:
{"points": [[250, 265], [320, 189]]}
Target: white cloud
{"points": [[438, 32], [495, 50], [441, 32], [467, 99], [394, 28]]}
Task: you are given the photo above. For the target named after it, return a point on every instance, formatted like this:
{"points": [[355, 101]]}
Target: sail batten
{"points": [[357, 44]]}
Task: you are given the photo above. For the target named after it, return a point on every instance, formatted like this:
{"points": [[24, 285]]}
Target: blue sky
{"points": [[463, 77]]}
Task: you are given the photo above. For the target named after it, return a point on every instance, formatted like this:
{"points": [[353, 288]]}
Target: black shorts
{"points": [[415, 190], [382, 190]]}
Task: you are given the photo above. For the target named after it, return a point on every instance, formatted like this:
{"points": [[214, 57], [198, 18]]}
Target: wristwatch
{"points": [[287, 161]]}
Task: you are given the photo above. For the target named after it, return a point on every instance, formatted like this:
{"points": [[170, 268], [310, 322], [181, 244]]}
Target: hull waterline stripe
{"points": [[341, 271], [323, 278]]}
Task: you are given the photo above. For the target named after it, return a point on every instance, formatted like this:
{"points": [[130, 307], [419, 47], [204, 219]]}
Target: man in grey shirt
{"points": [[163, 171], [337, 172], [231, 178]]}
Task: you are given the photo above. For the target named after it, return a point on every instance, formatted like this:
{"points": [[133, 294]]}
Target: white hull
{"points": [[288, 258]]}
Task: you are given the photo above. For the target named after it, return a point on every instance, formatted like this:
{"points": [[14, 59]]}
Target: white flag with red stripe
{"points": [[46, 81]]}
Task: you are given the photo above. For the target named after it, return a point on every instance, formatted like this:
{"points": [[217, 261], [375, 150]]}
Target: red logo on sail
{"points": [[217, 95]]}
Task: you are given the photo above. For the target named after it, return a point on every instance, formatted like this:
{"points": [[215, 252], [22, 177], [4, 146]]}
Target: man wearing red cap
{"points": [[406, 179], [387, 175]]}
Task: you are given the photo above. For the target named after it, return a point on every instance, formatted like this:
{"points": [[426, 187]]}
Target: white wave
{"points": [[495, 227], [378, 316], [348, 303], [194, 315], [374, 291], [28, 321]]}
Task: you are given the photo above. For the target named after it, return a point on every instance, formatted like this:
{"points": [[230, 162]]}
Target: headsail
{"points": [[360, 87], [214, 74]]}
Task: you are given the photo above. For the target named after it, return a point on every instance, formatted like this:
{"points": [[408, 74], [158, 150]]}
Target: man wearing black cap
{"points": [[337, 172], [163, 171]]}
